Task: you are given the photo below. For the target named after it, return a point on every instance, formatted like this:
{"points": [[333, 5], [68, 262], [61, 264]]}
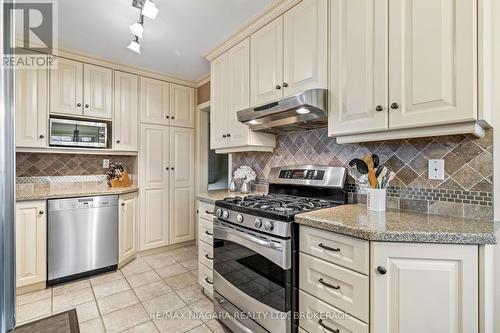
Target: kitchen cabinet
{"points": [[31, 101], [125, 115], [127, 227], [428, 287], [289, 54], [154, 182], [181, 106], [230, 91], [78, 89], [426, 78], [205, 247], [181, 185], [155, 101], [31, 243]]}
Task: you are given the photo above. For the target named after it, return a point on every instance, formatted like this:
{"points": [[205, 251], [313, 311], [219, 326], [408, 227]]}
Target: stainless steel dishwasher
{"points": [[82, 237]]}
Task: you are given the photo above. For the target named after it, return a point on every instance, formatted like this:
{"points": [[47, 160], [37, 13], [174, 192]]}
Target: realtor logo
{"points": [[30, 33]]}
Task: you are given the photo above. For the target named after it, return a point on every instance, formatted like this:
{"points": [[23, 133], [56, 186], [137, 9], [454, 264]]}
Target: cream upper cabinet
{"points": [[155, 101], [359, 73], [218, 102], [97, 91], [31, 108], [128, 217], [266, 63], [433, 62], [31, 242], [305, 31], [181, 185], [181, 106], [66, 88], [426, 288], [125, 115], [238, 79]]}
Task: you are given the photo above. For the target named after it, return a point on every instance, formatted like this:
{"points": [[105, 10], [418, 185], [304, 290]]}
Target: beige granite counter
{"points": [[400, 226], [27, 192], [213, 196]]}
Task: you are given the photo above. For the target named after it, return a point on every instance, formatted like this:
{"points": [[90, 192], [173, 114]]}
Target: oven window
{"points": [[252, 273]]}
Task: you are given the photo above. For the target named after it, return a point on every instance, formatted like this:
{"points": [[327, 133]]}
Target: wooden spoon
{"points": [[372, 178]]}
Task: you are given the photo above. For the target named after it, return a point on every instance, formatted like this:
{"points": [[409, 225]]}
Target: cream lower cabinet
{"points": [[31, 242], [128, 218], [205, 247], [426, 288], [126, 112]]}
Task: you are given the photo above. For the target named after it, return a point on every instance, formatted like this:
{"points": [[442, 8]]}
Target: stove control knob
{"points": [[258, 223], [239, 218], [225, 214], [268, 225], [218, 212]]}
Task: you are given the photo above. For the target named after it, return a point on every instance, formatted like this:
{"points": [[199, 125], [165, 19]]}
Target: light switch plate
{"points": [[105, 164], [436, 169]]}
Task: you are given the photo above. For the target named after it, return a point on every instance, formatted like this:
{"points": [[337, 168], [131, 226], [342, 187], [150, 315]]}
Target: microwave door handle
{"points": [[248, 237]]}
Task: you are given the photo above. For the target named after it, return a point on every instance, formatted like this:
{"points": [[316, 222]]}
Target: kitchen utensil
{"points": [[381, 174], [232, 186], [245, 188], [372, 179], [360, 165], [376, 161]]}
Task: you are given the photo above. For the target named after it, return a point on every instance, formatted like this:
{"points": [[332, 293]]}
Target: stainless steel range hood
{"points": [[306, 110]]}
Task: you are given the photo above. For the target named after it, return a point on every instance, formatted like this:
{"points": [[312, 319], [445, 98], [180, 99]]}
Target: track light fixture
{"points": [[148, 9], [138, 27], [134, 45]]}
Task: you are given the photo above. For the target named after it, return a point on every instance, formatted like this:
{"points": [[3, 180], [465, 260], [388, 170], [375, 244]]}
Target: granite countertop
{"points": [[26, 192], [400, 226], [212, 196]]}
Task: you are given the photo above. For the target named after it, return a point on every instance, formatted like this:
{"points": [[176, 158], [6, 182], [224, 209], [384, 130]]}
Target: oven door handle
{"points": [[250, 238], [234, 320]]}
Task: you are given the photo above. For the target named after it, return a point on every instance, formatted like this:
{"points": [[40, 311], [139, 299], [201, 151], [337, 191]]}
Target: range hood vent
{"points": [[300, 112]]}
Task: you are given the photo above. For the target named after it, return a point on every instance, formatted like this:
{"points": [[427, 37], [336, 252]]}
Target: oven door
{"points": [[252, 271]]}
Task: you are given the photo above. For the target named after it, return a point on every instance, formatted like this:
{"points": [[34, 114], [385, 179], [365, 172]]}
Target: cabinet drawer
{"points": [[205, 231], [342, 250], [338, 286], [206, 210], [321, 317], [205, 278], [206, 254]]}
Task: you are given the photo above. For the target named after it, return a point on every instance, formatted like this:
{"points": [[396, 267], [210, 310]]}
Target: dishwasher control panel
{"points": [[82, 203]]}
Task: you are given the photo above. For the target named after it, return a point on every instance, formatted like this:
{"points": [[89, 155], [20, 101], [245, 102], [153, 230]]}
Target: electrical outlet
{"points": [[105, 164], [436, 169]]}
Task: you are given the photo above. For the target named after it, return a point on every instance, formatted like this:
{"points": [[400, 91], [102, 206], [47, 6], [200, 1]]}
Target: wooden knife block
{"points": [[123, 181]]}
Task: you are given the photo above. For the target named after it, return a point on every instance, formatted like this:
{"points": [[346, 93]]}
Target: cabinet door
{"points": [[154, 218], [427, 288], [125, 115], [31, 108], [154, 158], [238, 61], [97, 92], [358, 73], [66, 88], [305, 31], [433, 62], [219, 102], [31, 243], [155, 101], [181, 184], [181, 106], [266, 63], [128, 218]]}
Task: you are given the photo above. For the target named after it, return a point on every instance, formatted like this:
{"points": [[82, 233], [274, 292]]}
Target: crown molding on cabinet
{"points": [[202, 80], [269, 13]]}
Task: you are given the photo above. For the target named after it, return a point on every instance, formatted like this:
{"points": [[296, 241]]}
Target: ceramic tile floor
{"points": [[123, 301]]}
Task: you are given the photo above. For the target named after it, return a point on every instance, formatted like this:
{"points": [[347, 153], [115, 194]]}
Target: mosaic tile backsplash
{"points": [[466, 190]]}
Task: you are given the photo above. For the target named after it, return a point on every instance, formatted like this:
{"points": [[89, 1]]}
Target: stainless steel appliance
{"points": [[306, 110], [82, 237], [256, 247], [78, 133]]}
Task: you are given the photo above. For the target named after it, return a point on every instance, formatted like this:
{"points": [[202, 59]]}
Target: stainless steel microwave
{"points": [[77, 133]]}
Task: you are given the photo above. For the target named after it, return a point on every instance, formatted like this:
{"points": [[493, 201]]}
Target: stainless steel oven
{"points": [[77, 133], [252, 279]]}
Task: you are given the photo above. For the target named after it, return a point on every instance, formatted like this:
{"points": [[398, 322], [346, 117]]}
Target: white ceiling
{"points": [[174, 43]]}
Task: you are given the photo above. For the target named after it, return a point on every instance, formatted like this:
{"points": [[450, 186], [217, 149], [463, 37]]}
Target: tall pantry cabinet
{"points": [[166, 163]]}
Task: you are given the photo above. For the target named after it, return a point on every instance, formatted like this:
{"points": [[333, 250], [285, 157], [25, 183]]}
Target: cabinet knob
{"points": [[78, 104], [228, 135], [382, 270], [278, 87], [123, 204], [167, 117], [285, 85], [41, 136], [172, 117], [379, 108], [173, 168], [117, 141], [167, 168], [41, 212], [224, 135], [394, 106], [87, 106]]}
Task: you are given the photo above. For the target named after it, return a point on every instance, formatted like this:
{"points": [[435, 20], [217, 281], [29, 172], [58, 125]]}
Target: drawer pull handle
{"points": [[209, 258], [326, 284], [321, 245], [209, 233], [209, 212], [329, 329], [208, 281]]}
